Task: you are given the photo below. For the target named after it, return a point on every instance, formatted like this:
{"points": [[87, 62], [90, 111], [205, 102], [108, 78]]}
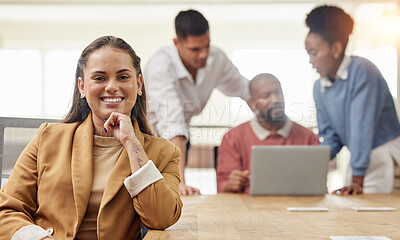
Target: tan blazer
{"points": [[52, 180]]}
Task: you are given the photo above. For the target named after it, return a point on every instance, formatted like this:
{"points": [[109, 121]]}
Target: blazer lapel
{"points": [[82, 167], [121, 170]]}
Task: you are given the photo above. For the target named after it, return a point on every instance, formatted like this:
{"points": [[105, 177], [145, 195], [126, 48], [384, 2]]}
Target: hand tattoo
{"points": [[137, 149]]}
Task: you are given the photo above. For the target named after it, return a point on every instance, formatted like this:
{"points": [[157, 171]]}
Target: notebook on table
{"points": [[289, 170]]}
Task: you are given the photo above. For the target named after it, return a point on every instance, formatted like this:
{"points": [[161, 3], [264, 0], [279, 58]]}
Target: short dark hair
{"points": [[258, 78], [190, 22], [332, 23]]}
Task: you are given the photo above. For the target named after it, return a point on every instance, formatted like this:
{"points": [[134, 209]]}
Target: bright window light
{"points": [[292, 68], [21, 83], [60, 80], [385, 58]]}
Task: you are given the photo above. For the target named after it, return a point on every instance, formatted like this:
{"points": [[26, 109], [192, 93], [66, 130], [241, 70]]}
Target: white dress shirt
{"points": [[174, 97]]}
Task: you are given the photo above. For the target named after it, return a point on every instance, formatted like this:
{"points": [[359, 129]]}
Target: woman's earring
{"points": [[336, 56], [140, 92], [82, 96]]}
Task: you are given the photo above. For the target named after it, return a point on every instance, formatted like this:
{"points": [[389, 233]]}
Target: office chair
{"points": [[15, 134]]}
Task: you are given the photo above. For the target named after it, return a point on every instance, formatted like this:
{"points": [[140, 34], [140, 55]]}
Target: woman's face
{"points": [[322, 55], [110, 82]]}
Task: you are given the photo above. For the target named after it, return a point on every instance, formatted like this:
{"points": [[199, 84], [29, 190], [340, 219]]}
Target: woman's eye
{"points": [[124, 77], [98, 78]]}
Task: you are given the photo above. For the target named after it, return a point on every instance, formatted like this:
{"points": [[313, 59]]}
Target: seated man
{"points": [[270, 126]]}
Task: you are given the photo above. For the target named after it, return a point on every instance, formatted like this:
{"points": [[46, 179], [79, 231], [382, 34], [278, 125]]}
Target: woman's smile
{"points": [[112, 100]]}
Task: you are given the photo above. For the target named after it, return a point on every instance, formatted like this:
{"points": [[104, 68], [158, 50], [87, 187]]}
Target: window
{"points": [[21, 82], [60, 80], [292, 68]]}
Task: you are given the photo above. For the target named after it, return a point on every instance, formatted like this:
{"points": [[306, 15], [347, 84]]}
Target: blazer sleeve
{"points": [[18, 196], [159, 205]]}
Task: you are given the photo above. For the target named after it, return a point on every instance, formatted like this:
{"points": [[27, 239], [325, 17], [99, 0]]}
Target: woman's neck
{"points": [[333, 75], [98, 127]]}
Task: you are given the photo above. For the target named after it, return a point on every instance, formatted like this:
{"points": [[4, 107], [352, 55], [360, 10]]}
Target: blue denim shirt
{"points": [[357, 112]]}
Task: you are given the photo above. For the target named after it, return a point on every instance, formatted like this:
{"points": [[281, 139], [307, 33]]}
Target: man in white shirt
{"points": [[180, 79]]}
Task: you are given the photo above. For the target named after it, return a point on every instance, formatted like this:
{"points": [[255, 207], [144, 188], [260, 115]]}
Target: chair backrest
{"points": [[216, 156], [15, 134]]}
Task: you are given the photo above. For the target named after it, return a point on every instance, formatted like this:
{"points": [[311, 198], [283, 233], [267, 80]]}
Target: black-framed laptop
{"points": [[289, 170]]}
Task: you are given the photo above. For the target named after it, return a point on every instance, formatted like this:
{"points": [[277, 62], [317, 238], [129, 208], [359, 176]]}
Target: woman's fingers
{"points": [[120, 126]]}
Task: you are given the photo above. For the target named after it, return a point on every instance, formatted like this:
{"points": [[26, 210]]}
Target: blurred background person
{"points": [[269, 126], [354, 104], [181, 78]]}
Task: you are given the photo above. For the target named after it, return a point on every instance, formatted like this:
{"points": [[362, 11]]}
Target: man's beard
{"points": [[274, 120]]}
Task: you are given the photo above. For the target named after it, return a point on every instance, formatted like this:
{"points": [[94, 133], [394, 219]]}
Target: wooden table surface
{"points": [[240, 216]]}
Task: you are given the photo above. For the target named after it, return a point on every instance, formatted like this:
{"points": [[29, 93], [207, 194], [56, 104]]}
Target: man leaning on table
{"points": [[270, 126], [180, 79]]}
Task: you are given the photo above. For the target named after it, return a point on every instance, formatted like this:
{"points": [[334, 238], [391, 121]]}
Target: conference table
{"points": [[241, 216]]}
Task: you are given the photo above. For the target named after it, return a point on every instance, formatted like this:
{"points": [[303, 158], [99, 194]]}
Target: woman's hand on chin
{"points": [[120, 125]]}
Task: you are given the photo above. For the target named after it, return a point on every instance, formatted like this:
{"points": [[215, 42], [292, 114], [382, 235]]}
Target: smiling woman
{"points": [[97, 163], [111, 85]]}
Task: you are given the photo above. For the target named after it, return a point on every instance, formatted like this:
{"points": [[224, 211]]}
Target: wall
{"points": [[147, 27]]}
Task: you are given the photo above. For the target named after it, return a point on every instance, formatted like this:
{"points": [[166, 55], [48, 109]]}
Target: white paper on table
{"points": [[307, 209], [359, 238], [374, 209]]}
